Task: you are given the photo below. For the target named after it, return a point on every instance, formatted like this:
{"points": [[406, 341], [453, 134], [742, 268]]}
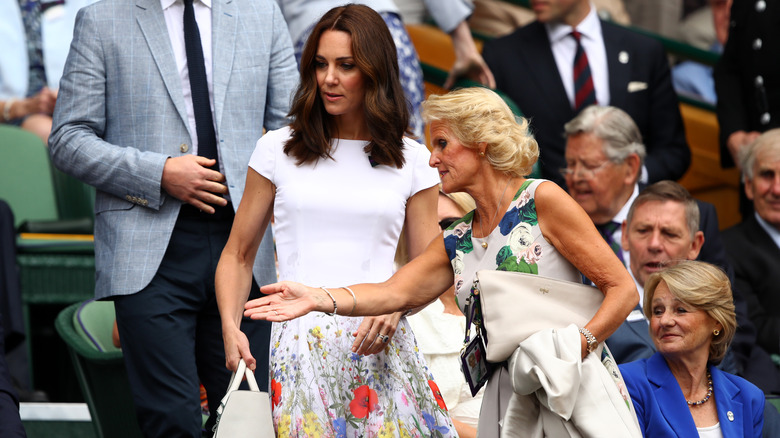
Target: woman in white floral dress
{"points": [[521, 225], [341, 182]]}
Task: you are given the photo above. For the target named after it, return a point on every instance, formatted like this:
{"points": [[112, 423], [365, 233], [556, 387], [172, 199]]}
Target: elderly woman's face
{"points": [[678, 329], [458, 165]]}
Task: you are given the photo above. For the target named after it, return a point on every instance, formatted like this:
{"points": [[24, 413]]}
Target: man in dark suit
{"points": [[754, 244], [535, 67], [604, 155]]}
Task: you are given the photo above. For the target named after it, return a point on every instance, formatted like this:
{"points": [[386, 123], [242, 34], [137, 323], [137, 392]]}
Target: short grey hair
{"points": [[769, 141], [614, 126]]}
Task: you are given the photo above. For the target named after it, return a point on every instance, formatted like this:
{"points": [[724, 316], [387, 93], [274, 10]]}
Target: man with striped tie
{"points": [[568, 59]]}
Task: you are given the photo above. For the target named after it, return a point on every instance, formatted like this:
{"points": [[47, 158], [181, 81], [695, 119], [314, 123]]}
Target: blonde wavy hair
{"points": [[477, 114], [702, 286]]}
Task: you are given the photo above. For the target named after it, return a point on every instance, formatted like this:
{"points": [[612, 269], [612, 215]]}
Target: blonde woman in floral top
{"points": [[519, 225]]}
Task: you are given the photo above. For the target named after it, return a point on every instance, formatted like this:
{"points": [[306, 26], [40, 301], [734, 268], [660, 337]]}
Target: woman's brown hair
{"points": [[386, 108]]}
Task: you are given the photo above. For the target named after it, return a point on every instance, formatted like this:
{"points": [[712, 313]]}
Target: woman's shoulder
{"points": [[634, 369], [276, 135], [412, 147]]}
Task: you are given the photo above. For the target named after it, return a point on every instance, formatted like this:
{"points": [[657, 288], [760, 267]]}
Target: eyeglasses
{"points": [[446, 222], [586, 171]]}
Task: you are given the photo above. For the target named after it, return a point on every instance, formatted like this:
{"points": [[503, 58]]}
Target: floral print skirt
{"points": [[320, 388]]}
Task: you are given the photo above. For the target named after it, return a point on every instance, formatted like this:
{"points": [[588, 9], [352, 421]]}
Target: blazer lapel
{"points": [[152, 23], [618, 65], [538, 53], [224, 22], [760, 238], [668, 390], [730, 411]]}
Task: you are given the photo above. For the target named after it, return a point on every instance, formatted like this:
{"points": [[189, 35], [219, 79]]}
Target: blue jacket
{"points": [[663, 412]]}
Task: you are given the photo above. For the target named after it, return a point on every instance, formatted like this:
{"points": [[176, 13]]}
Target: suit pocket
{"points": [[105, 202]]}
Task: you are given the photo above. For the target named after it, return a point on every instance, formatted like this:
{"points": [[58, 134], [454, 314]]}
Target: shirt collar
{"points": [[623, 213], [590, 27], [168, 3], [773, 232]]}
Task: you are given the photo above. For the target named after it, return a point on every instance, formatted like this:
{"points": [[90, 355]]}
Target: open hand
{"points": [[286, 300]]}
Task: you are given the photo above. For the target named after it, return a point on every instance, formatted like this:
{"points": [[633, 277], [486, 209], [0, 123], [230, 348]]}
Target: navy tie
{"points": [[204, 123], [584, 93]]}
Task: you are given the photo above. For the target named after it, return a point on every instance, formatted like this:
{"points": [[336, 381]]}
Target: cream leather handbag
{"points": [[516, 305]]}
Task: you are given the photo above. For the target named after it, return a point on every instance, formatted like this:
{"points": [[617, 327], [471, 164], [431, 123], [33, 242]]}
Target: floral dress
{"points": [[516, 244], [337, 223]]}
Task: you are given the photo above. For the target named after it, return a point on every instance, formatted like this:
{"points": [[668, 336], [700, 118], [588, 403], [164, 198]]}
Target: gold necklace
{"points": [[498, 208]]}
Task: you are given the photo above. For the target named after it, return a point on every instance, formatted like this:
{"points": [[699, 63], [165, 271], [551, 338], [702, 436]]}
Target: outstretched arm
{"points": [[234, 271], [417, 283]]}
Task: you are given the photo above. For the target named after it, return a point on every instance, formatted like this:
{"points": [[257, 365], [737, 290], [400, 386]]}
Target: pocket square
{"points": [[636, 86]]}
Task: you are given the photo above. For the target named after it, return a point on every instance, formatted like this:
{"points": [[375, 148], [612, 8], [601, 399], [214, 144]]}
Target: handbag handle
{"points": [[235, 382]]}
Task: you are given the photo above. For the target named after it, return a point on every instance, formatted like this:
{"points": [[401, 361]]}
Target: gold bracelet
{"points": [[335, 307], [354, 300]]}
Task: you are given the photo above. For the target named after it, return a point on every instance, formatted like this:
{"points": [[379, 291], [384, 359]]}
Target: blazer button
{"points": [[757, 43], [184, 148], [730, 415], [760, 6]]}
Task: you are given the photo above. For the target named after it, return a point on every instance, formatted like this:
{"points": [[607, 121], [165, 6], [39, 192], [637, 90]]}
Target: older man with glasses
{"points": [[604, 156]]}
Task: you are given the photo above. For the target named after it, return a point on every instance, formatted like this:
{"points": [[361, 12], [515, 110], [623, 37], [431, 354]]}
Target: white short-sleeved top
{"points": [[337, 221]]}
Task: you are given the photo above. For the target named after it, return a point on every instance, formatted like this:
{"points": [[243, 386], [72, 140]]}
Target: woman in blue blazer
{"points": [[678, 392]]}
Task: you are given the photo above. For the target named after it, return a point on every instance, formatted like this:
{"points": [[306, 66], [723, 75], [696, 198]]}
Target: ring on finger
{"points": [[276, 313], [384, 338]]}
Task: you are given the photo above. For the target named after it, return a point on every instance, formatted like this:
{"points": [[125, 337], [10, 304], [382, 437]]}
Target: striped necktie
{"points": [[607, 231], [584, 93]]}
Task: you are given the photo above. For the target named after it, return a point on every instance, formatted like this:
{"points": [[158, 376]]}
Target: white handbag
{"points": [[516, 305], [242, 413]]}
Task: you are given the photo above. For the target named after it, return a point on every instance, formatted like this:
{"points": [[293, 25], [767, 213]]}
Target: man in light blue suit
{"points": [[169, 170]]}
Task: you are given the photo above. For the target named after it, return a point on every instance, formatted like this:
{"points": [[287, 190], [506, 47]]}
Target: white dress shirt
{"points": [[564, 47]]}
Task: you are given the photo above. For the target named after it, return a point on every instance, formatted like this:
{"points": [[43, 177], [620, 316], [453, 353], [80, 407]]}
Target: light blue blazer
{"points": [[121, 113], [662, 410]]}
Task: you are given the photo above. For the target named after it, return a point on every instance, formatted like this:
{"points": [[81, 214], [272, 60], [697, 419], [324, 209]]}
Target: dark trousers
{"points": [[10, 423], [171, 332]]}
